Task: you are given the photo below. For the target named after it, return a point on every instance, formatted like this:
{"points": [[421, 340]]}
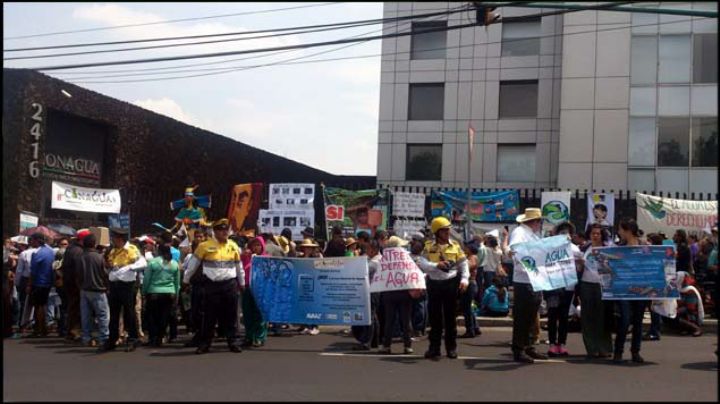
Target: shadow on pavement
{"points": [[505, 365], [40, 341], [496, 344], [403, 360], [708, 366], [609, 362], [343, 346]]}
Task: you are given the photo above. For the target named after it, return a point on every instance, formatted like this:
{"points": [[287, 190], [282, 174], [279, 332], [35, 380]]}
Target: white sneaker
{"points": [[314, 331]]}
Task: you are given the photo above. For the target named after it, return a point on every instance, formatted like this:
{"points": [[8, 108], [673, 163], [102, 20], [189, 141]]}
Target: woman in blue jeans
{"points": [[631, 311], [471, 327]]}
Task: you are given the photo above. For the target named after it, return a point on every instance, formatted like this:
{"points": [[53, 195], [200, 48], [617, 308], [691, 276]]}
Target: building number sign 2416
{"points": [[36, 132]]}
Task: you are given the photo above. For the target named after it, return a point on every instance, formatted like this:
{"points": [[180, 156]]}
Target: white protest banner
{"points": [[656, 214], [28, 220], [405, 227], [71, 197], [276, 220], [406, 204], [397, 271], [292, 196], [549, 262], [601, 210]]}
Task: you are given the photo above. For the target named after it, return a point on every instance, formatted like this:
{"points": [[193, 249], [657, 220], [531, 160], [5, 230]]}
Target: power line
{"points": [[328, 27], [233, 69], [173, 21], [263, 31]]}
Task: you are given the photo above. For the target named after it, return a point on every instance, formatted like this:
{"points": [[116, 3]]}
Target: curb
{"points": [[709, 325]]}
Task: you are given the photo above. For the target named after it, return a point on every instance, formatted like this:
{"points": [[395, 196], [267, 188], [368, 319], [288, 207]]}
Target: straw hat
{"points": [[395, 241], [308, 242], [530, 214], [350, 241]]}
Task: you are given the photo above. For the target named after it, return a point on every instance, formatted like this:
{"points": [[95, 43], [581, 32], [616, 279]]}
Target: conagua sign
{"points": [[72, 197]]}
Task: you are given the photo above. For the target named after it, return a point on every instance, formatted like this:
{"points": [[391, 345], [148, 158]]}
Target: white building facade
{"points": [[584, 100]]}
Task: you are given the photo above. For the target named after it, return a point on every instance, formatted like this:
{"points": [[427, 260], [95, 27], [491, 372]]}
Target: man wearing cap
{"points": [[527, 301], [71, 268], [222, 276], [125, 261], [447, 274]]}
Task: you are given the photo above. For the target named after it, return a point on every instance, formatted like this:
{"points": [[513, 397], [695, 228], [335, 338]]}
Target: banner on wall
{"points": [[555, 207], [28, 220], [407, 204], [656, 214], [405, 227], [601, 210], [356, 211], [121, 220], [501, 206], [72, 197], [637, 272], [323, 291], [549, 262], [275, 221], [292, 197], [244, 208]]}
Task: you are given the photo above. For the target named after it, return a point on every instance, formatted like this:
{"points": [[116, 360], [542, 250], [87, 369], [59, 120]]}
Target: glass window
{"points": [[516, 163], [705, 142], [427, 102], [643, 61], [674, 101], [705, 58], [430, 45], [521, 38], [424, 162], [642, 101], [673, 142], [641, 142], [641, 180], [518, 99], [675, 58]]}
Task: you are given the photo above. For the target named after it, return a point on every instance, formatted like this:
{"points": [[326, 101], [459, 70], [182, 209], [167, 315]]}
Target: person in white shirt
{"points": [[22, 274], [597, 315], [527, 301]]}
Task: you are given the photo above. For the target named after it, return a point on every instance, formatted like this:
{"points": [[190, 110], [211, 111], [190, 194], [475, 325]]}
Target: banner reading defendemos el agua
{"points": [[322, 291], [549, 262], [656, 214], [397, 271]]}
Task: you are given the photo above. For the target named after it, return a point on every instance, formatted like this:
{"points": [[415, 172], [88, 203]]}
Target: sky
{"points": [[321, 114]]}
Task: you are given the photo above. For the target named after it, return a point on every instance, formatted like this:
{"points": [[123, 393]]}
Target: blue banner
{"points": [[321, 291], [121, 220], [636, 273], [502, 206], [549, 262]]}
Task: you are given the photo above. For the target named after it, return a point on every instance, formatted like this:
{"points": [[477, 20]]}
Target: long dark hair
{"points": [[498, 283], [604, 235], [165, 252], [629, 224]]}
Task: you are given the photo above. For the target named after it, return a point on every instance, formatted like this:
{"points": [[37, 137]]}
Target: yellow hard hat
{"points": [[438, 223]]}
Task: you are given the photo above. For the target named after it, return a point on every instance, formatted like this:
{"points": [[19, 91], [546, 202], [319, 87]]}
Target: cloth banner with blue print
{"points": [[549, 262]]}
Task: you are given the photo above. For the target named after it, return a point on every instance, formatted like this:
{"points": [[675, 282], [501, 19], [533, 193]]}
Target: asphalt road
{"points": [[324, 368]]}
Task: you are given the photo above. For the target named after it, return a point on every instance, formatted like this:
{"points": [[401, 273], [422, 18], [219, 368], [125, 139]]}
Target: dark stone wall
{"points": [[149, 157]]}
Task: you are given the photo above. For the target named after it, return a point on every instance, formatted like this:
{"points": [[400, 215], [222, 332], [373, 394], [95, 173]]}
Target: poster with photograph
{"points": [[601, 209], [243, 208], [292, 196], [356, 211], [277, 220]]}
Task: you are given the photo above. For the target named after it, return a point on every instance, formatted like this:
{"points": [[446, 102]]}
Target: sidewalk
{"points": [[709, 325]]}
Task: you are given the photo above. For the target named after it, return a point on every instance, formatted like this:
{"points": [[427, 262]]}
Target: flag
{"points": [[471, 138]]}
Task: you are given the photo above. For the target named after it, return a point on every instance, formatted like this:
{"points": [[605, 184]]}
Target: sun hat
{"points": [[530, 214]]}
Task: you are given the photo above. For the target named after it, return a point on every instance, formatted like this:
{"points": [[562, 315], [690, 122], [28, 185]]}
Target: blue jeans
{"points": [[466, 305], [631, 312], [53, 308], [94, 304]]}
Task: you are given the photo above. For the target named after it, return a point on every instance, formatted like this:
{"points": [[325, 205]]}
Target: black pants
{"points": [[122, 297], [442, 304], [525, 309], [218, 304], [158, 313], [62, 318], [395, 301], [558, 302], [631, 312], [369, 334], [173, 320]]}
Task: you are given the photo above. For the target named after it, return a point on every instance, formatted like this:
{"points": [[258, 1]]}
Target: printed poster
{"points": [[555, 207], [549, 262], [356, 211], [72, 197], [244, 208], [322, 291], [407, 204], [28, 220], [398, 271], [292, 197], [501, 206], [405, 227], [276, 220], [601, 209], [636, 273], [121, 220], [656, 214]]}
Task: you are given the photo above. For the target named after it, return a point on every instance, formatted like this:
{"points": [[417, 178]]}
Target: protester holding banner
{"points": [[255, 327], [222, 275], [472, 329], [597, 315], [527, 301], [631, 311], [368, 336], [419, 309], [447, 270]]}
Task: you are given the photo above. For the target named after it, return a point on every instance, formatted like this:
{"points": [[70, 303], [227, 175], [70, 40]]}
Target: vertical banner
{"points": [[324, 291], [276, 220], [555, 208], [502, 206], [549, 262], [601, 210], [356, 211], [407, 204], [292, 197], [244, 207], [656, 214], [28, 220]]}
